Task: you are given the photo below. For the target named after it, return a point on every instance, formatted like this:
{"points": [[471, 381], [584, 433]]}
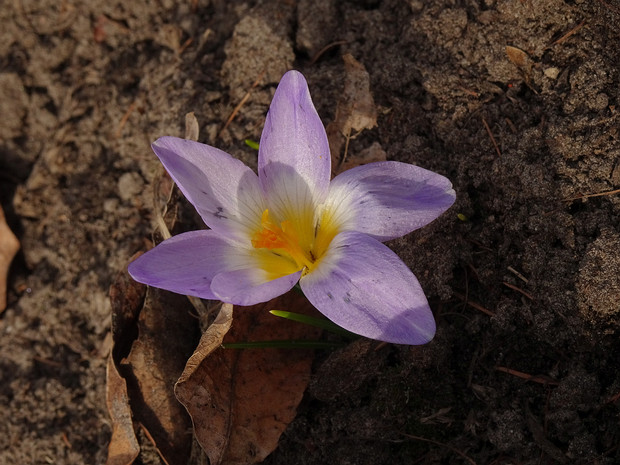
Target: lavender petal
{"points": [[224, 191], [294, 141], [186, 263], [251, 286], [388, 199], [361, 285]]}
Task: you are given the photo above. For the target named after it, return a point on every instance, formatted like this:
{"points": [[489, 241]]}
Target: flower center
{"points": [[283, 239]]}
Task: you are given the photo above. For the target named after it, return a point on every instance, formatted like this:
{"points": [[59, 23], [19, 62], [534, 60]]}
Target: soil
{"points": [[522, 273]]}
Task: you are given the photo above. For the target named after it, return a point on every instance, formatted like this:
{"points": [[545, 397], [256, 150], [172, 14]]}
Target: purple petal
{"points": [[225, 192], [186, 263], [294, 141], [363, 286], [388, 199], [251, 286]]}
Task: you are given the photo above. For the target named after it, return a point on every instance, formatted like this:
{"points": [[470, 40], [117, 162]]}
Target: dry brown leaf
{"points": [[355, 112], [123, 448], [9, 245], [211, 339], [242, 400], [166, 331], [152, 332], [522, 61], [517, 56], [192, 129], [356, 109], [126, 300], [370, 154]]}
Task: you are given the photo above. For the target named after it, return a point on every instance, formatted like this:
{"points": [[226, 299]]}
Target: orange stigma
{"points": [[281, 239]]}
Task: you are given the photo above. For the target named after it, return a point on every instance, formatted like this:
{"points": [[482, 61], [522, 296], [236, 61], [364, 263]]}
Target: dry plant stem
{"points": [[541, 379], [195, 301], [152, 441], [474, 304], [613, 399], [200, 307], [569, 33], [518, 275], [486, 125], [587, 196], [159, 216], [325, 49], [48, 362], [241, 103], [473, 93], [513, 128], [186, 44], [124, 119], [437, 443], [515, 288], [65, 439], [346, 150]]}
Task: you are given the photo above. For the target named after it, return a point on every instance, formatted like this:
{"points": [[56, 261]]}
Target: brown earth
{"points": [[522, 273]]}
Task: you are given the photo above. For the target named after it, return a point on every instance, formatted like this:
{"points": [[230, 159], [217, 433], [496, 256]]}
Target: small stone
{"points": [[552, 73], [110, 205], [129, 185]]}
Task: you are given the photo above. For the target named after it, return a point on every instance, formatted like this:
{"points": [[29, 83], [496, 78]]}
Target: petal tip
{"points": [[164, 141], [136, 271], [418, 329], [293, 78]]}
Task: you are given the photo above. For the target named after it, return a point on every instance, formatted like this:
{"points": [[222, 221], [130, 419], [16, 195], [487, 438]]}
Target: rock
{"points": [[129, 185]]}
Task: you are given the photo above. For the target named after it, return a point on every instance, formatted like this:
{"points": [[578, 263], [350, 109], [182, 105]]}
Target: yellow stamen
{"points": [[282, 239]]}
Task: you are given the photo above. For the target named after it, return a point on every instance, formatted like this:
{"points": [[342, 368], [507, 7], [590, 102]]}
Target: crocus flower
{"points": [[292, 224]]}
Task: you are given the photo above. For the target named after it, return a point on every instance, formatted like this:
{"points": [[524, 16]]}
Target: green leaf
{"points": [[312, 321], [251, 143]]}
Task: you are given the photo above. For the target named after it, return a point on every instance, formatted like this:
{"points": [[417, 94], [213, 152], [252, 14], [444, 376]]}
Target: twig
{"points": [[441, 444], [241, 103], [318, 54], [65, 439], [151, 439], [598, 194], [473, 93], [518, 275], [124, 120], [569, 33], [48, 362], [515, 288], [198, 305], [613, 399], [513, 128], [186, 44], [541, 379], [346, 150], [486, 125], [474, 304], [480, 244]]}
